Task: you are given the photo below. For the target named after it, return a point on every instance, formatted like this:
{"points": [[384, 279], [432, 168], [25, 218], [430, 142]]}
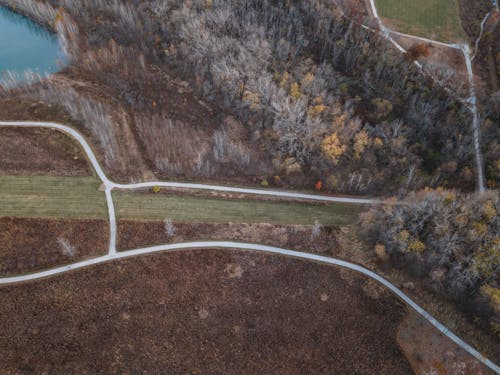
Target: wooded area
{"points": [[449, 240], [311, 89]]}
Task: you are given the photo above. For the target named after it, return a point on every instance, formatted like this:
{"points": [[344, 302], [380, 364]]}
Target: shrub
{"points": [[316, 230], [169, 227], [66, 247]]}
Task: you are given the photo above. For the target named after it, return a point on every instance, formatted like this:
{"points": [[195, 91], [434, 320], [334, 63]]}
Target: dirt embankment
{"points": [[28, 245], [430, 352], [40, 151], [201, 312]]}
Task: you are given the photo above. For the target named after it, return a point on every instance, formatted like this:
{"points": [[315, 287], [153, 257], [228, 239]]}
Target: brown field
{"points": [[201, 312], [41, 151], [430, 352], [23, 109], [28, 245], [135, 233]]}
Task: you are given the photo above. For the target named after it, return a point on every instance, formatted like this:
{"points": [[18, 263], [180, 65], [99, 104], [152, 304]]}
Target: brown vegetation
{"points": [[487, 62], [418, 51], [40, 151], [291, 75], [431, 353], [29, 245], [201, 312], [133, 234]]}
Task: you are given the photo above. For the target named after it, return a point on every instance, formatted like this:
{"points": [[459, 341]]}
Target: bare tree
{"points": [[316, 230], [66, 247], [169, 227]]}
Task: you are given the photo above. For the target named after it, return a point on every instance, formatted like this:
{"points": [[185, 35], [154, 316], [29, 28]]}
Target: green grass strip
{"points": [[212, 210], [433, 19], [79, 197], [46, 196]]}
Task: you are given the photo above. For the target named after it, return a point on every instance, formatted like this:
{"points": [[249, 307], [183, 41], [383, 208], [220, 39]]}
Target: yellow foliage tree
{"points": [[416, 246], [252, 99], [308, 79], [360, 142], [332, 148], [316, 110], [403, 236], [295, 91], [284, 79], [378, 142], [494, 296], [382, 106], [488, 210]]}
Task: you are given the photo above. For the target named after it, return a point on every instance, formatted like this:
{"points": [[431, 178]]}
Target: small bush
{"points": [[169, 227], [66, 248]]}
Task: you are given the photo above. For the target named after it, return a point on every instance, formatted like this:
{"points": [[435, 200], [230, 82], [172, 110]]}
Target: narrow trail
{"points": [[476, 135], [472, 102], [481, 33], [114, 255]]}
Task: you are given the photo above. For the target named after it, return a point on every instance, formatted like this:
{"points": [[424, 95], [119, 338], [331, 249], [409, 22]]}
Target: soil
{"points": [[133, 234], [332, 241], [200, 312], [430, 352], [40, 151], [28, 245], [130, 164], [16, 108], [445, 311]]}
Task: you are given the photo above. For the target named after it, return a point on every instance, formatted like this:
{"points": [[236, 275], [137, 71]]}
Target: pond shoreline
{"points": [[30, 45]]}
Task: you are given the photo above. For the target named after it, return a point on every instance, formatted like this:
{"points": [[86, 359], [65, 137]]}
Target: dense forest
{"points": [[310, 92], [451, 241]]}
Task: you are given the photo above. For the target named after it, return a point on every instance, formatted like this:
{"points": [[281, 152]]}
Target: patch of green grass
{"points": [[79, 197], [210, 210], [47, 196], [433, 19]]}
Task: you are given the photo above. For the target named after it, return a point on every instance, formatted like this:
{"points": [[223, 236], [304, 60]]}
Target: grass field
{"points": [[434, 19], [45, 196], [210, 210], [79, 197]]}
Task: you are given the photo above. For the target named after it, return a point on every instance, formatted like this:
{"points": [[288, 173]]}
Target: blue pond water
{"points": [[25, 46]]}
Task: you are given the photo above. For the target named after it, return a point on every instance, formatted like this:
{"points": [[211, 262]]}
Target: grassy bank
{"points": [[434, 19], [47, 196], [210, 210], [79, 197]]}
